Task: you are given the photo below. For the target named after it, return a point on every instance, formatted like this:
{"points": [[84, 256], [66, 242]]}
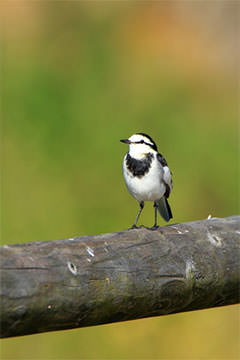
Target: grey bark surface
{"points": [[92, 280]]}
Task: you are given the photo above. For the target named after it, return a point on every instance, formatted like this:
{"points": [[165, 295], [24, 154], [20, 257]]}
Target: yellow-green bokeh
{"points": [[76, 78]]}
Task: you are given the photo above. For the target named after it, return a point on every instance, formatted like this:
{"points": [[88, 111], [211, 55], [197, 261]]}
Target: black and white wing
{"points": [[167, 176], [163, 205]]}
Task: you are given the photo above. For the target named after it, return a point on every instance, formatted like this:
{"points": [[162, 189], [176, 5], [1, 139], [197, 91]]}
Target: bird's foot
{"points": [[133, 227], [136, 227], [154, 227]]}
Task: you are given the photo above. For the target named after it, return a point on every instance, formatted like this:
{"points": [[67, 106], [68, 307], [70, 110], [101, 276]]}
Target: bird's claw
{"points": [[136, 227], [154, 227], [133, 227]]}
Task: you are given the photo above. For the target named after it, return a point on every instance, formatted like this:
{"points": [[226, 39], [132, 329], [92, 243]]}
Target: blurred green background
{"points": [[76, 78]]}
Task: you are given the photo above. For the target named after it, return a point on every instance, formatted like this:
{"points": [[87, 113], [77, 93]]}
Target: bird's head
{"points": [[140, 144]]}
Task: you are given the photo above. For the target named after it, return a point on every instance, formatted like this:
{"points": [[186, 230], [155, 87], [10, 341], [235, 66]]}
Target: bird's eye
{"points": [[142, 141]]}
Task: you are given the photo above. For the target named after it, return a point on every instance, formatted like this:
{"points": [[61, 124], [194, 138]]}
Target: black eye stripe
{"points": [[152, 144], [142, 142]]}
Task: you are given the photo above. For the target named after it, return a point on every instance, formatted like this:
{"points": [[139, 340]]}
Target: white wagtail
{"points": [[147, 175]]}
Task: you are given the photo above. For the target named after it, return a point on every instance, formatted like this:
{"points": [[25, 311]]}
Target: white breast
{"points": [[149, 187]]}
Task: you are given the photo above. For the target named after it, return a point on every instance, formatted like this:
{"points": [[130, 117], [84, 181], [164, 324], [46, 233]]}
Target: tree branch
{"points": [[92, 280]]}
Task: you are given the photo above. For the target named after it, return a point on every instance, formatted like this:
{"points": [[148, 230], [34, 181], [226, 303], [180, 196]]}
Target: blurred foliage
{"points": [[79, 76]]}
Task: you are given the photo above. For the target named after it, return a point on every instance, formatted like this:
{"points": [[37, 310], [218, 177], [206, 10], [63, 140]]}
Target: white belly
{"points": [[148, 187]]}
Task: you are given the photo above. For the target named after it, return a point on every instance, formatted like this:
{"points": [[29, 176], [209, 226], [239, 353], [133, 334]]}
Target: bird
{"points": [[147, 176]]}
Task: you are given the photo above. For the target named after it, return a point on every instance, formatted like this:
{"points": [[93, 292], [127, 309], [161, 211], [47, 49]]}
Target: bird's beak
{"points": [[126, 141]]}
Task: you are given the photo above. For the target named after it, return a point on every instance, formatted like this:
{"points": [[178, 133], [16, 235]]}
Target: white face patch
{"points": [[137, 149], [138, 138]]}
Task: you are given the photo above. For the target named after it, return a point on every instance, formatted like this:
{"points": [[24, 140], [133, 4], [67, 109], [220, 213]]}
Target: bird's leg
{"points": [[141, 203], [155, 205]]}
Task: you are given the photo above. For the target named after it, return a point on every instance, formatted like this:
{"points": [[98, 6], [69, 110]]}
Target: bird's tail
{"points": [[164, 208]]}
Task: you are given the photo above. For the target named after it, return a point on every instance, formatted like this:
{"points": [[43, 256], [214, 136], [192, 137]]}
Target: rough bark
{"points": [[92, 280]]}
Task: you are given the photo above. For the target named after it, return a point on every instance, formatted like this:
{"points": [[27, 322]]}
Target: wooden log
{"points": [[92, 280]]}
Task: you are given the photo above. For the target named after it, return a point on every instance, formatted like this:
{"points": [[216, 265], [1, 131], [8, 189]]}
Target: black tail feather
{"points": [[164, 209]]}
